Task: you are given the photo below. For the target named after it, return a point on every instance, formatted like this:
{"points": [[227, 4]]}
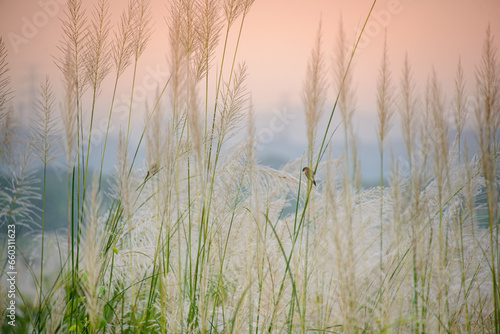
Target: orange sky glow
{"points": [[278, 37], [276, 43]]}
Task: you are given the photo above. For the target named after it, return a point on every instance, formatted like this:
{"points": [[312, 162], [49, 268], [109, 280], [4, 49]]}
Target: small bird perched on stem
{"points": [[152, 171], [309, 174]]}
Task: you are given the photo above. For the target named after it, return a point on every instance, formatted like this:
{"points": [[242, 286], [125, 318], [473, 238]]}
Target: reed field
{"points": [[204, 239]]}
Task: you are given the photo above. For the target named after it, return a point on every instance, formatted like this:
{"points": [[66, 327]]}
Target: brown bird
{"points": [[152, 171], [309, 174]]}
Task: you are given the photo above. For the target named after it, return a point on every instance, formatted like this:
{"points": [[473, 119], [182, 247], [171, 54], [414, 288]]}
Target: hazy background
{"points": [[276, 42]]}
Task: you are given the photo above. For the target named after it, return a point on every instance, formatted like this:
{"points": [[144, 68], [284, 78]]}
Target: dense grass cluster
{"points": [[208, 240]]}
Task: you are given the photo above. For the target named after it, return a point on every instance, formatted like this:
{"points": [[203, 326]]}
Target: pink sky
{"points": [[277, 40]]}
